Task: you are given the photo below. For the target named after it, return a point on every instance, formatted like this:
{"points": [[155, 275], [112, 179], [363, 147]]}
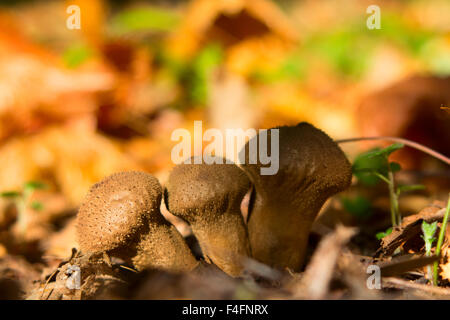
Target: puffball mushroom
{"points": [[283, 206], [208, 197], [121, 217]]}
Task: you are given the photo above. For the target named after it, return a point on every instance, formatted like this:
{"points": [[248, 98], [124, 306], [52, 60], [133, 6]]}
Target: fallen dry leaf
{"points": [[410, 229], [411, 107], [445, 267], [314, 282]]}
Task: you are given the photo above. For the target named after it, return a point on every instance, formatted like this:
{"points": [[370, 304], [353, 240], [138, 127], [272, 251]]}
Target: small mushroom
{"points": [[208, 197], [283, 206], [121, 217]]}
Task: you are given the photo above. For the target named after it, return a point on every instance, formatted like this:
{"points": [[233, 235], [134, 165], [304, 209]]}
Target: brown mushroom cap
{"points": [[208, 196], [116, 209], [311, 168], [205, 190], [121, 215]]}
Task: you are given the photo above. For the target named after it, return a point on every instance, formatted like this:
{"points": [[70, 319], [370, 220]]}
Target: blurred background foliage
{"points": [[77, 105]]}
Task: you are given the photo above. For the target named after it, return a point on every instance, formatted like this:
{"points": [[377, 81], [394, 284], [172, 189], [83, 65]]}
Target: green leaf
{"points": [[428, 229], [381, 235], [374, 161], [395, 167], [359, 206], [385, 151], [34, 185], [36, 205], [10, 194], [364, 168]]}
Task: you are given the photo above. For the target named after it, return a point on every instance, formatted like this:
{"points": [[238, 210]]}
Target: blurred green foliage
{"points": [[76, 55], [195, 74], [359, 206], [22, 198], [144, 18], [204, 63], [347, 49], [350, 48]]}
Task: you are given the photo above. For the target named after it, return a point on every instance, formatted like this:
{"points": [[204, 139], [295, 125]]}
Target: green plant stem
{"points": [[379, 175], [440, 241], [394, 201], [393, 198], [22, 215]]}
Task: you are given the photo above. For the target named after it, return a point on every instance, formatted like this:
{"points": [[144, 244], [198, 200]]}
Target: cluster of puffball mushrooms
{"points": [[121, 214]]}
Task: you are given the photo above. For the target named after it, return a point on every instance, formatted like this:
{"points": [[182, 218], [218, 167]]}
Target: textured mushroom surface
{"points": [[208, 196], [115, 209], [311, 169], [121, 216]]}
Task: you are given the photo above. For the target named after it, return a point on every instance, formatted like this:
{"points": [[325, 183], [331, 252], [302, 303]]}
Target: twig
{"points": [[408, 284], [47, 282], [127, 268], [407, 142]]}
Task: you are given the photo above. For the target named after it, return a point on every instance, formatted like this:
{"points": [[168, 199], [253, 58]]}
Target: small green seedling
{"points": [[381, 235], [373, 166], [428, 230], [22, 202]]}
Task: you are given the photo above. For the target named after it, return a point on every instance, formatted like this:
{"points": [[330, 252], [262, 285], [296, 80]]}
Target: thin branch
{"points": [[407, 142], [412, 285], [379, 175]]}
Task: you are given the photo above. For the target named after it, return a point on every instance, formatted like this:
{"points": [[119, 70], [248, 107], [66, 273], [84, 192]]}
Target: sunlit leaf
{"points": [[428, 230]]}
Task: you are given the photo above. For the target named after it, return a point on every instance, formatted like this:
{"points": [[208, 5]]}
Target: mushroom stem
{"points": [[208, 197], [225, 242], [164, 248], [283, 206], [280, 240]]}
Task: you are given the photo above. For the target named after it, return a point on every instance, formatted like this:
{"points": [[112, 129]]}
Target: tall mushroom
{"points": [[311, 169], [121, 216], [208, 197]]}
